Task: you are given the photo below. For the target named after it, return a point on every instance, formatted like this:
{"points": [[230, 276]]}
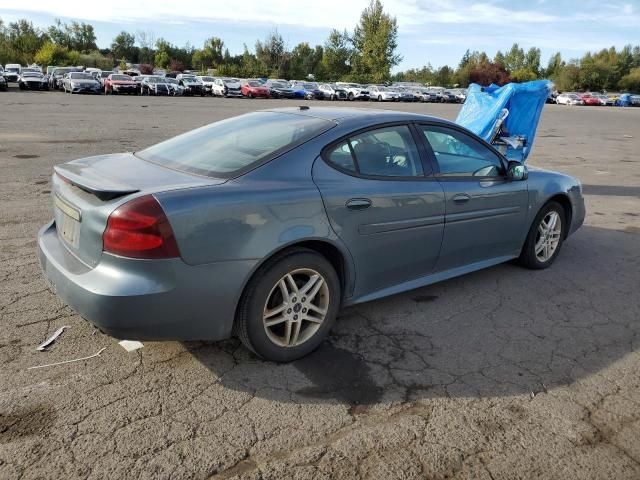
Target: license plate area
{"points": [[69, 222]]}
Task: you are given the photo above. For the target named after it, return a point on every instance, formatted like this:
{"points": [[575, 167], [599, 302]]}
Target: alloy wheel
{"points": [[548, 236], [296, 307]]}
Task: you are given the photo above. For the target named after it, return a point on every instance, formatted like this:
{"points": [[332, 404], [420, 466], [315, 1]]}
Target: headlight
{"points": [[73, 84]]}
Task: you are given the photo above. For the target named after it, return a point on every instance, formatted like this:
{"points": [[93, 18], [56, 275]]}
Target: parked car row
{"points": [[596, 99], [132, 82]]}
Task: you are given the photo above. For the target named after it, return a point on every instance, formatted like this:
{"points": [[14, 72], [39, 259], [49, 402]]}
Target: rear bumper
{"points": [[145, 299]]}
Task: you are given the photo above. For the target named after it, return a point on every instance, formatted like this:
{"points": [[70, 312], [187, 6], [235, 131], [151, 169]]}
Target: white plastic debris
{"points": [[97, 354], [130, 345], [43, 346]]}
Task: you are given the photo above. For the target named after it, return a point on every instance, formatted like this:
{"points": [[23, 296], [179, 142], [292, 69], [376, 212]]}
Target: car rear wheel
{"points": [[545, 237], [289, 306]]}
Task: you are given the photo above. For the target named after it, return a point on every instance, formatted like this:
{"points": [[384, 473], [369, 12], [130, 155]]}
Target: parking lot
{"points": [[505, 373]]}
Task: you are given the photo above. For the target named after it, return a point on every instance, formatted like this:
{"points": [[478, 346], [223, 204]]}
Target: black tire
{"points": [[351, 97], [249, 326], [528, 256]]}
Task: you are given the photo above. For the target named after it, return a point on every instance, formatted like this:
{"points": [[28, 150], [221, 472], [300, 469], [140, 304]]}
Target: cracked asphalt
{"points": [[501, 374]]}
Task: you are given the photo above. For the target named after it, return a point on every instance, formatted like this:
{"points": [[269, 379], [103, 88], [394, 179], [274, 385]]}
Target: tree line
{"points": [[365, 55], [608, 69]]}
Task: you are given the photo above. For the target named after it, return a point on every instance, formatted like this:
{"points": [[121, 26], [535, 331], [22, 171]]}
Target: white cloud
{"points": [[327, 14]]}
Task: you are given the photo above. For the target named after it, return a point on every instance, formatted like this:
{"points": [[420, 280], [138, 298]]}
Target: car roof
{"points": [[341, 115]]}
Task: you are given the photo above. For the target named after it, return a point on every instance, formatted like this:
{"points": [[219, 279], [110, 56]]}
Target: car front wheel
{"points": [[289, 306], [545, 237]]}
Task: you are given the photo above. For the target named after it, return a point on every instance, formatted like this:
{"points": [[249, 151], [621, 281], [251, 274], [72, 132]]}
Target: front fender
{"points": [[545, 185]]}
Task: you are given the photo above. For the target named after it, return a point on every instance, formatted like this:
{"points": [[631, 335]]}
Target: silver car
{"points": [[80, 82], [382, 93], [264, 225]]}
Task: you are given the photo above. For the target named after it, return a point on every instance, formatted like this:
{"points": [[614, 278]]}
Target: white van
{"points": [[12, 71]]}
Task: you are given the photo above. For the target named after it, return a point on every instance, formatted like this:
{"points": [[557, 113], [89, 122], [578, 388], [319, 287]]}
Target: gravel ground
{"points": [[503, 374]]}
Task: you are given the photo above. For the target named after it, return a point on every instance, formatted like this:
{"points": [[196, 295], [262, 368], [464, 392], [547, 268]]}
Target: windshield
{"points": [[121, 78], [32, 74], [80, 76], [279, 85], [12, 69], [61, 71], [254, 84], [105, 74], [233, 145], [171, 80], [207, 79], [154, 80], [189, 80], [310, 86]]}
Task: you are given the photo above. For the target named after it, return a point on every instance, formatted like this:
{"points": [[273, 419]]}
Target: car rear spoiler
{"points": [[92, 181]]}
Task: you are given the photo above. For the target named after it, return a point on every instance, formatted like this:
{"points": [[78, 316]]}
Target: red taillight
{"points": [[140, 229]]}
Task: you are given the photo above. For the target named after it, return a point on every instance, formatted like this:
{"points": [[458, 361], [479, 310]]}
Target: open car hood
{"points": [[507, 117]]}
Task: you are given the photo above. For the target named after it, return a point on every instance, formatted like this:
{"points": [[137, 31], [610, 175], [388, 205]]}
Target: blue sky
{"points": [[430, 31]]}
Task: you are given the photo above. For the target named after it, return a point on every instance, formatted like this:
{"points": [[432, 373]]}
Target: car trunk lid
{"points": [[86, 191]]}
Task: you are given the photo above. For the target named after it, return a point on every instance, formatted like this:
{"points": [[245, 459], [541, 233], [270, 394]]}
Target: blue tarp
{"points": [[524, 101]]}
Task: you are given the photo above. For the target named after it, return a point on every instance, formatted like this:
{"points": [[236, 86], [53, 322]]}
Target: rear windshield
{"points": [[230, 147]]}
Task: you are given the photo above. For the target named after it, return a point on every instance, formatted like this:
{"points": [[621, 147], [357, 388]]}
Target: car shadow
{"points": [[501, 331]]}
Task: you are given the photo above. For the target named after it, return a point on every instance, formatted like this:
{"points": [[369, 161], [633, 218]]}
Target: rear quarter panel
{"points": [[254, 216]]}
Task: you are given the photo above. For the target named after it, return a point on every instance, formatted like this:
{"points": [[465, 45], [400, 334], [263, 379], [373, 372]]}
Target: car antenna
{"points": [[304, 107]]}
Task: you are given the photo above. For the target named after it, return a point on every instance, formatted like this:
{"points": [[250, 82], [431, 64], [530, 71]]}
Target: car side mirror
{"points": [[517, 171]]}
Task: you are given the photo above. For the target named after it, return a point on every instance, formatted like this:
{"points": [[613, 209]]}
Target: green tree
{"points": [[74, 36], [514, 59], [631, 81], [306, 60], [532, 62], [25, 40], [554, 66], [569, 77], [444, 76], [210, 55], [123, 46], [336, 55], [162, 59], [271, 55], [51, 54], [375, 40]]}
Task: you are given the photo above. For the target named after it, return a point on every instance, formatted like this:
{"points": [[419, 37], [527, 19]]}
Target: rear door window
{"points": [[384, 152]]}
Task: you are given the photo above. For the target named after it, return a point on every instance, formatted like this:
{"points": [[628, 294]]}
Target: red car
{"points": [[120, 83], [255, 89], [589, 99]]}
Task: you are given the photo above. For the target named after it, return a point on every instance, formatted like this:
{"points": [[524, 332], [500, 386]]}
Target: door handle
{"points": [[358, 203], [461, 198]]}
